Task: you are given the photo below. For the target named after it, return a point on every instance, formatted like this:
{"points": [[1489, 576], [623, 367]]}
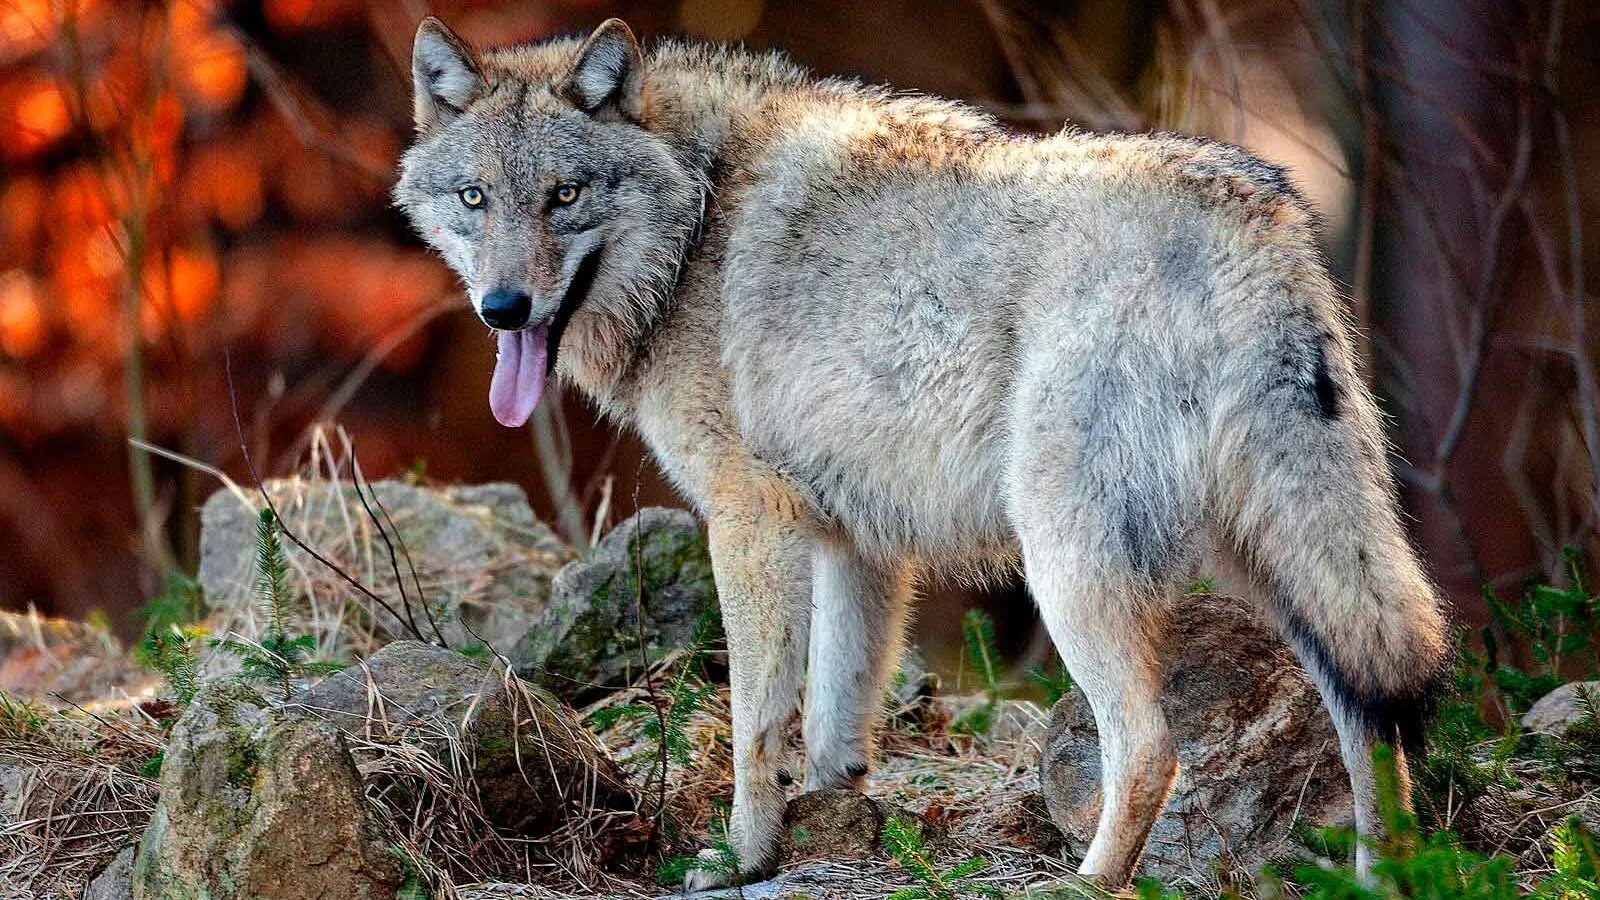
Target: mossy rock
{"points": [[651, 575], [262, 806]]}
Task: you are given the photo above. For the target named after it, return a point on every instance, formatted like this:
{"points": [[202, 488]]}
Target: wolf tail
{"points": [[1307, 497]]}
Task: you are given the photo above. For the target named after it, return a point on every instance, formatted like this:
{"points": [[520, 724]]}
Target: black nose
{"points": [[506, 309]]}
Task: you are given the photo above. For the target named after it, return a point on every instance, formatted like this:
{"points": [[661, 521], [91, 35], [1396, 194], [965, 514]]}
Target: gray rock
{"points": [[531, 760], [1558, 710], [262, 807], [478, 550], [1257, 750], [115, 881], [588, 635]]}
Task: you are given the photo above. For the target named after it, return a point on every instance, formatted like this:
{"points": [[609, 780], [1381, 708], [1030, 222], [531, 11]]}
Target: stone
{"points": [[527, 751], [479, 552], [261, 806], [834, 823], [1256, 747], [588, 635], [1556, 712], [115, 881]]}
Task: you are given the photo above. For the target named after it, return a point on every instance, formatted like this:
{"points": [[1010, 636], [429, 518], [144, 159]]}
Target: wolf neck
{"points": [[702, 100]]}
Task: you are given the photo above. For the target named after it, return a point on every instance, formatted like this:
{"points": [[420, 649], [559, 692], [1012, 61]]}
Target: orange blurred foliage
{"points": [[38, 118], [22, 329]]}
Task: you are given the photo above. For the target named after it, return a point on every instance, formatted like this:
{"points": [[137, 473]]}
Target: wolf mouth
{"points": [[577, 292]]}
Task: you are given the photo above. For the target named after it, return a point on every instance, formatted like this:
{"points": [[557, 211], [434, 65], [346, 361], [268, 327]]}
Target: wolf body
{"points": [[870, 334]]}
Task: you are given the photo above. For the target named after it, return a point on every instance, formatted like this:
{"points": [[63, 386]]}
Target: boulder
{"points": [[651, 574], [529, 758], [479, 552], [255, 805], [1256, 747], [1556, 712]]}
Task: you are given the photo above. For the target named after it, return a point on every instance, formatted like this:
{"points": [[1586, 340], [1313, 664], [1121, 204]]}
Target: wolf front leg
{"points": [[760, 559]]}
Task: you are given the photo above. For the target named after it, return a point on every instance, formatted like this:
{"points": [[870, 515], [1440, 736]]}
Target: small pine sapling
{"points": [[903, 839], [983, 660], [1561, 627], [1055, 682], [279, 657], [172, 653], [719, 858]]}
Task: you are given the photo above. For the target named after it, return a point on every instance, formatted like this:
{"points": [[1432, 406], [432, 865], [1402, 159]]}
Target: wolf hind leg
{"points": [[1107, 628], [858, 616]]}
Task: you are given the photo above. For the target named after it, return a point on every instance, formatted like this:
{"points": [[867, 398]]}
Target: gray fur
{"points": [[869, 334]]}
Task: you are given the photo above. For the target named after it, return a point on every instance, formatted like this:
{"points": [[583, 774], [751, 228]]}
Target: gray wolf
{"points": [[870, 334]]}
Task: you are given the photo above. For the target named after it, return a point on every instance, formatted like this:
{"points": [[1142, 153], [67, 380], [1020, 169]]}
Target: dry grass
{"points": [[71, 792]]}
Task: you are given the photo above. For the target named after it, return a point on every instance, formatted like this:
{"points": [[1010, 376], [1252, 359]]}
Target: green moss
{"points": [[242, 760]]}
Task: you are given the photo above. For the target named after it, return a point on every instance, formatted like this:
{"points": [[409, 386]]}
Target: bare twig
{"points": [[255, 479]]}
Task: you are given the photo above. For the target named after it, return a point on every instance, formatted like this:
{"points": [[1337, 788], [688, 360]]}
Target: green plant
{"points": [[1410, 863], [172, 652], [179, 602], [1577, 864], [1561, 627], [1055, 682], [719, 858], [664, 722], [20, 717], [903, 839], [1575, 752], [280, 656], [983, 660]]}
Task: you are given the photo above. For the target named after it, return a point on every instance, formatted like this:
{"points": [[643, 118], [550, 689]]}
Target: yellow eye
{"points": [[472, 197], [566, 194]]}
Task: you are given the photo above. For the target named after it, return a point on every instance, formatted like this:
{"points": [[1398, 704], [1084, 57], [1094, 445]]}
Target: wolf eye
{"points": [[472, 197], [566, 194]]}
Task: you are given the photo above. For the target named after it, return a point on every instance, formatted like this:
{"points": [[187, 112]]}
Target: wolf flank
{"points": [[869, 335]]}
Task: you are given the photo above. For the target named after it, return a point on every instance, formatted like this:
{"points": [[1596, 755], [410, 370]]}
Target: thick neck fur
{"points": [[703, 101]]}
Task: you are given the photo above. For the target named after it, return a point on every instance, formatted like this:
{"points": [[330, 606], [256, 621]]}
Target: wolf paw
{"points": [[708, 872]]}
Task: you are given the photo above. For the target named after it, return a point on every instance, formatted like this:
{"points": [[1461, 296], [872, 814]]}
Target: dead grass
{"points": [[71, 792]]}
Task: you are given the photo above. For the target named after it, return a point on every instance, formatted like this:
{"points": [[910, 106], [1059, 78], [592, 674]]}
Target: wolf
{"points": [[871, 335]]}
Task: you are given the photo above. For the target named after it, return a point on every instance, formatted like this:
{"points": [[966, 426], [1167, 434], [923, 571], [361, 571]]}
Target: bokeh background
{"points": [[194, 186]]}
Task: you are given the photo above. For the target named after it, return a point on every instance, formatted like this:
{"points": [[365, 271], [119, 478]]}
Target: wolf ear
{"points": [[609, 73], [444, 74]]}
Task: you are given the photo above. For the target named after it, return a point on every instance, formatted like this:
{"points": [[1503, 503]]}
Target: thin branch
{"points": [[261, 488]]}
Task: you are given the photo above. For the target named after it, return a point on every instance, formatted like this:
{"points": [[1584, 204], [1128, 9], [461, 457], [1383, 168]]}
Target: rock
{"points": [[478, 550], [1257, 750], [837, 824], [588, 635], [115, 881], [1558, 710], [527, 751], [261, 807]]}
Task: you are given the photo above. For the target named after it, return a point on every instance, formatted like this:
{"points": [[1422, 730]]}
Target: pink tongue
{"points": [[518, 376]]}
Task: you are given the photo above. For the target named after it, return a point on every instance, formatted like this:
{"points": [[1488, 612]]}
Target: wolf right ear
{"points": [[445, 76], [609, 73]]}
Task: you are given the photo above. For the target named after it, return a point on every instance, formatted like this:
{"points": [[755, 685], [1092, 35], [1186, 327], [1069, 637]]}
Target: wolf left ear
{"points": [[609, 73], [444, 74]]}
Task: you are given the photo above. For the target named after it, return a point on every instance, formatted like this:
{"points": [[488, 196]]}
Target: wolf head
{"points": [[535, 175]]}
